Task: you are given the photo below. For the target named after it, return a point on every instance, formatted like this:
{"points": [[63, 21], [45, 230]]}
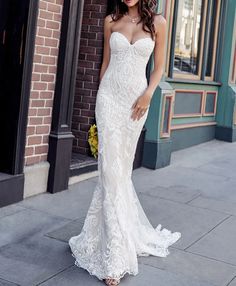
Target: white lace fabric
{"points": [[116, 230]]}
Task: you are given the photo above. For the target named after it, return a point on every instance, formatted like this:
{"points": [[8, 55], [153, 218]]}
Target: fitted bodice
{"points": [[126, 72], [135, 55], [141, 47]]}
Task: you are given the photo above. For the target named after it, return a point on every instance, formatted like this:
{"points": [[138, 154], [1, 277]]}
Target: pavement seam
{"points": [[9, 281], [81, 219], [183, 203], [202, 172], [54, 275], [205, 172], [207, 257], [226, 213], [47, 213], [208, 232], [231, 281], [187, 203], [200, 255], [1, 217], [211, 173], [58, 239], [178, 273], [184, 275], [153, 188], [162, 198]]}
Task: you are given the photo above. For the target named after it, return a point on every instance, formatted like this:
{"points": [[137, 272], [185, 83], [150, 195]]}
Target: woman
{"points": [[116, 229]]}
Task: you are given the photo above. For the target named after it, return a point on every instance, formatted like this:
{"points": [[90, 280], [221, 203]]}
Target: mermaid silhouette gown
{"points": [[116, 229]]}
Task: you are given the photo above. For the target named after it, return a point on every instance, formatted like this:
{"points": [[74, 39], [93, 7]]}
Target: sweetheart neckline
{"points": [[132, 44]]}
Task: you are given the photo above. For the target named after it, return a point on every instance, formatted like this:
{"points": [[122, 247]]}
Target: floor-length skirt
{"points": [[116, 229]]}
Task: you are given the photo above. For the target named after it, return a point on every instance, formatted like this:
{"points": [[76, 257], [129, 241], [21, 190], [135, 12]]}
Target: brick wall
{"points": [[90, 57], [43, 80]]}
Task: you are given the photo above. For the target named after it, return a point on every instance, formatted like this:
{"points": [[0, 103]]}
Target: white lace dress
{"points": [[116, 229]]}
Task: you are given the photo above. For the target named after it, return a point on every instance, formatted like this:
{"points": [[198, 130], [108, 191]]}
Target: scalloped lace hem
{"points": [[100, 276], [161, 250]]}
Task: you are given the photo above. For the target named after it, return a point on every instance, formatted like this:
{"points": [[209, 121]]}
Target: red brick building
{"points": [[48, 28], [90, 57], [58, 54]]}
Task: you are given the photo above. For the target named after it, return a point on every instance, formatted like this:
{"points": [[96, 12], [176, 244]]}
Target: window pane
{"points": [[166, 115], [187, 36], [213, 21]]}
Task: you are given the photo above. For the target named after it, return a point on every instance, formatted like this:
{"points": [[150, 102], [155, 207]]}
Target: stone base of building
{"points": [[36, 177], [184, 138], [82, 177], [226, 133], [156, 154]]}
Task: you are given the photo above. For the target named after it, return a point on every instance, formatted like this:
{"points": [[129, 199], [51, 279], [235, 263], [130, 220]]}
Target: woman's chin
{"points": [[129, 3]]}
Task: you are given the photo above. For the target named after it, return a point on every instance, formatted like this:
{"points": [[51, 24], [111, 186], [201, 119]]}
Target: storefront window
{"points": [[213, 33], [193, 35], [186, 58]]}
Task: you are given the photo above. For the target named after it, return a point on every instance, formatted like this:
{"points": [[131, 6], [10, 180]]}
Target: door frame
{"points": [[12, 185]]}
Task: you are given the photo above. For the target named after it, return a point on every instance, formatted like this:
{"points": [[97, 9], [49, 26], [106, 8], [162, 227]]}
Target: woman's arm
{"points": [[106, 45], [142, 103], [159, 55]]}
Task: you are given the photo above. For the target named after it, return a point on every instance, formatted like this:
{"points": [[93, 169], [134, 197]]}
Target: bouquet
{"points": [[93, 140]]}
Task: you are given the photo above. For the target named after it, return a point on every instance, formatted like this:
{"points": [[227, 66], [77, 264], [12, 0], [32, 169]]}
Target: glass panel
{"points": [[211, 47], [187, 102], [210, 102], [166, 115], [187, 36], [234, 66]]}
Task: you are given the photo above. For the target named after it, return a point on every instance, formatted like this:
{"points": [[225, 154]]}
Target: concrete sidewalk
{"points": [[195, 195]]}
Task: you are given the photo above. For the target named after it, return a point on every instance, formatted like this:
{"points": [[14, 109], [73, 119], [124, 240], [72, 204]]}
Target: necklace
{"points": [[133, 20]]}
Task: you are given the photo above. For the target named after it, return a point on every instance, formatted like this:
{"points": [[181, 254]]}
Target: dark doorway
{"points": [[17, 37], [13, 26]]}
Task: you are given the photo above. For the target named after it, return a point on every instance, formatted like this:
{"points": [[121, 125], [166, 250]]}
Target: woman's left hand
{"points": [[141, 105]]}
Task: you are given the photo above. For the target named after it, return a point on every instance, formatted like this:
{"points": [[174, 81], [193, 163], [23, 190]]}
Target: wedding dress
{"points": [[116, 229]]}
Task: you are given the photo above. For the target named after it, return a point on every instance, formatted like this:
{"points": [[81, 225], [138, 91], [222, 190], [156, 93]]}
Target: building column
{"points": [[226, 105], [61, 137], [157, 142]]}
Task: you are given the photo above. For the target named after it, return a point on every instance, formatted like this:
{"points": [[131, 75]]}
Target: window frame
{"points": [[216, 37], [172, 13], [233, 57]]}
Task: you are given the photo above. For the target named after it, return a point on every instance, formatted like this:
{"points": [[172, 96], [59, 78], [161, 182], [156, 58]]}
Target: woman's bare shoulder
{"points": [[108, 22], [108, 18], [159, 22], [159, 19]]}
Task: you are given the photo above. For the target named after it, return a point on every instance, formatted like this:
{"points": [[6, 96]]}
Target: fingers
{"points": [[138, 112], [138, 109], [135, 113], [134, 104]]}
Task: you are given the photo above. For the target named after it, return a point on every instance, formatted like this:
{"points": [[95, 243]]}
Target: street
{"points": [[195, 195]]}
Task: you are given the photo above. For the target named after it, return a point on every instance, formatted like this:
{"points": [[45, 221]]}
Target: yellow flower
{"points": [[93, 140]]}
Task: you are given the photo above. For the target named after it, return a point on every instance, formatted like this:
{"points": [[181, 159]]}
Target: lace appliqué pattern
{"points": [[116, 230]]}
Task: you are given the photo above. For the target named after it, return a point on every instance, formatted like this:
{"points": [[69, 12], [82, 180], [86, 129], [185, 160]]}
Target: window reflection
{"points": [[187, 36], [211, 47]]}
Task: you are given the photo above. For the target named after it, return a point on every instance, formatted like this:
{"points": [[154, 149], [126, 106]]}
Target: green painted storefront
{"points": [[195, 101]]}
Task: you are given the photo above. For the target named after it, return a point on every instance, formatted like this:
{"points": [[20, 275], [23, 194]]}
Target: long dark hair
{"points": [[146, 10]]}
